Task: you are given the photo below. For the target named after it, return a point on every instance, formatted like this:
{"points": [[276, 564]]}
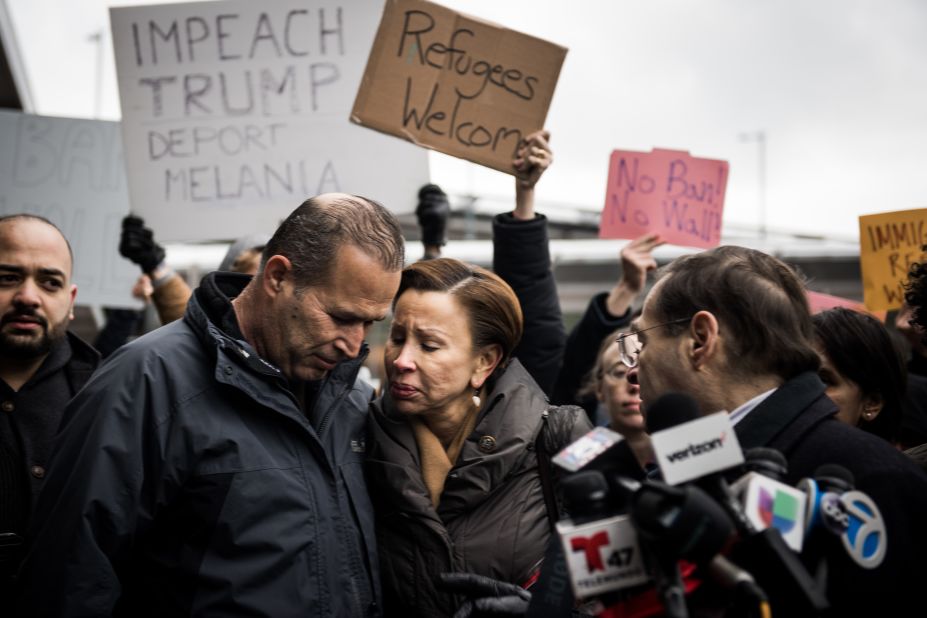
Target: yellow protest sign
{"points": [[889, 243]]}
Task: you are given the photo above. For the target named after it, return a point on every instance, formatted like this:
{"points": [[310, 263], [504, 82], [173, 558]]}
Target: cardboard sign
{"points": [[457, 84], [665, 191], [71, 172], [235, 112], [889, 243]]}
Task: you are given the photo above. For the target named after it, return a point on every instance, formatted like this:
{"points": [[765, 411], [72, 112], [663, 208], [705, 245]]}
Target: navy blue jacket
{"points": [[798, 420], [189, 482]]}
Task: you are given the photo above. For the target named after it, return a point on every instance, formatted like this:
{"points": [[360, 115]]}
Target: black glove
{"points": [[138, 245], [432, 212], [485, 596]]}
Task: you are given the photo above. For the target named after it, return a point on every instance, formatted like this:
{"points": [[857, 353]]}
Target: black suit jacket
{"points": [[798, 420]]}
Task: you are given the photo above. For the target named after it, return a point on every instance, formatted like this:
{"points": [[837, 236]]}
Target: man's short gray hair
{"points": [[311, 235]]}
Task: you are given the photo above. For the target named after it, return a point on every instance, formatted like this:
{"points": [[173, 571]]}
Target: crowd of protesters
{"points": [[232, 462]]}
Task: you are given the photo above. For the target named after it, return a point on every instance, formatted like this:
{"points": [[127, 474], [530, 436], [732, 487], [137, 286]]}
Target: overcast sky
{"points": [[838, 86]]}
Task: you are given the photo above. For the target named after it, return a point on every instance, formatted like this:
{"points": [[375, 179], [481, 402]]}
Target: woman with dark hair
{"points": [[456, 441], [863, 370]]}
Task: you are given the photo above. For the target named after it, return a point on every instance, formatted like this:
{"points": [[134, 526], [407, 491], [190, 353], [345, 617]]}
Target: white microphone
{"points": [[768, 502], [600, 546]]}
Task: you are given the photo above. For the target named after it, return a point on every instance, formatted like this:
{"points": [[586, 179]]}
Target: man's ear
{"points": [[73, 295], [277, 271], [486, 363], [705, 336]]}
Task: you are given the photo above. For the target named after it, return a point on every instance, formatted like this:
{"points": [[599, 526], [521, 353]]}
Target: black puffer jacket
{"points": [[189, 483], [492, 517], [521, 256]]}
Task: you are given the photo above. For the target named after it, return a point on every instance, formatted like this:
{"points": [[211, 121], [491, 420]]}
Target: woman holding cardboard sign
{"points": [[457, 441]]}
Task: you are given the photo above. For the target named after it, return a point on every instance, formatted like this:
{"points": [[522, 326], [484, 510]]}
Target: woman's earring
{"points": [[476, 397]]}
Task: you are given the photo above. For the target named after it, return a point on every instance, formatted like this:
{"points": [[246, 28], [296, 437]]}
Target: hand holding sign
{"points": [[457, 84], [532, 159], [665, 191]]}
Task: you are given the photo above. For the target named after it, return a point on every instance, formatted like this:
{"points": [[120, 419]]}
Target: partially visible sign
{"points": [[665, 191], [235, 112], [889, 243], [71, 172], [819, 302], [457, 84]]}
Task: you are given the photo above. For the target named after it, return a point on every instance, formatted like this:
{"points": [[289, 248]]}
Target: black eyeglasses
{"points": [[629, 346]]}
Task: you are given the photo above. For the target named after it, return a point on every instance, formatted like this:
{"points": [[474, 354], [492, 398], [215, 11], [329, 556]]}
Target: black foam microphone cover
{"points": [[835, 478], [670, 410], [766, 461], [684, 521]]}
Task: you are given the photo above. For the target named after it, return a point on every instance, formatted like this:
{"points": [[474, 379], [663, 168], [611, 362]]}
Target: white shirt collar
{"points": [[744, 409]]}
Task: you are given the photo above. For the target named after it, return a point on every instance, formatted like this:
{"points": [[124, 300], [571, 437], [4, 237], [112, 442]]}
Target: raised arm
{"points": [[606, 313], [521, 256]]}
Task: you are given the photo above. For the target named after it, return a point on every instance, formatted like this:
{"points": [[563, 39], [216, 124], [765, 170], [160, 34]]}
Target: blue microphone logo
{"points": [[865, 538]]}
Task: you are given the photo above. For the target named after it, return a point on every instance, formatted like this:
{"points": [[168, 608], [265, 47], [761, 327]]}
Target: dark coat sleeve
{"points": [[582, 346], [99, 494], [521, 256]]}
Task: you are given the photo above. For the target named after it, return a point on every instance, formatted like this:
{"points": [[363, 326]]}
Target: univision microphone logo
{"points": [[700, 448], [777, 509], [768, 503]]}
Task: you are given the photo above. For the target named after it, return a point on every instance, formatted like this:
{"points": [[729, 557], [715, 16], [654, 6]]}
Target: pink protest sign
{"points": [[665, 191], [818, 302]]}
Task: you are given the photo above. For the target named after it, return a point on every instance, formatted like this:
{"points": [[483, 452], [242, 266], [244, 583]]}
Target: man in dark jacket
{"points": [[42, 366], [214, 466], [731, 328]]}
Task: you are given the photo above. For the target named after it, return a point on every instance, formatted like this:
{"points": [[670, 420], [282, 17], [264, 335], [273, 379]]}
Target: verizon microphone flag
{"points": [[696, 448]]}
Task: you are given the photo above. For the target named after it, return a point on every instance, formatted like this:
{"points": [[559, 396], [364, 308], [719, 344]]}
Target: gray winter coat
{"points": [[189, 483], [491, 519]]}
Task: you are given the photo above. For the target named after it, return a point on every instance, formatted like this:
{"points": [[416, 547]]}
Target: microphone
{"points": [[825, 508], [767, 501], [690, 447], [554, 593], [593, 450], [847, 512], [685, 522], [599, 541], [675, 523], [826, 512]]}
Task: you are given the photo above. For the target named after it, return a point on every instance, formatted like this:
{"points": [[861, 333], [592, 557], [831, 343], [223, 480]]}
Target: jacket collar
{"points": [[783, 417], [508, 424], [212, 317]]}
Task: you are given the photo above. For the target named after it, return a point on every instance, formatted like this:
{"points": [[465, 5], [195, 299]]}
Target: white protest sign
{"points": [[235, 112], [71, 172]]}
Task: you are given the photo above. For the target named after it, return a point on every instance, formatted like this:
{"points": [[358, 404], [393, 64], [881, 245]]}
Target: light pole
{"points": [[760, 138], [97, 38]]}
